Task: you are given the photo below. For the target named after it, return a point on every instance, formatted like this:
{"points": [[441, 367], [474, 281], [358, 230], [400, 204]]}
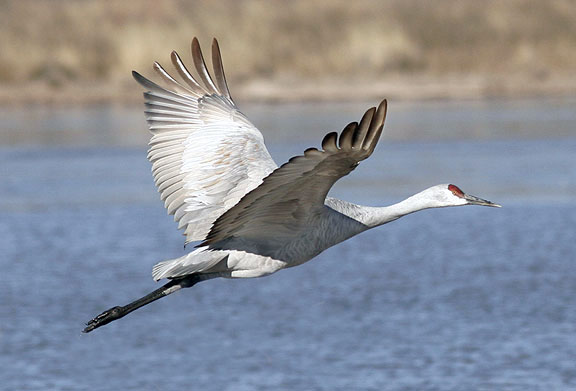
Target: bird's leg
{"points": [[119, 311]]}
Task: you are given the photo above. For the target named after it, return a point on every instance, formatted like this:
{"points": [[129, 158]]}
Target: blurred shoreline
{"points": [[398, 87], [82, 52]]}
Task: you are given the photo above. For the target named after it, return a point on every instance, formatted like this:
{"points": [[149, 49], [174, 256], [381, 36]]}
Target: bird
{"points": [[251, 217]]}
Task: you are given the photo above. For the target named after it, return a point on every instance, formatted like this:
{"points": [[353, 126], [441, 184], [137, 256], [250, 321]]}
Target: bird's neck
{"points": [[375, 216]]}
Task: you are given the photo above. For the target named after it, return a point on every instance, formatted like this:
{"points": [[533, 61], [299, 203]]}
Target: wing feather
{"points": [[205, 154], [201, 67], [186, 75], [219, 70], [176, 86]]}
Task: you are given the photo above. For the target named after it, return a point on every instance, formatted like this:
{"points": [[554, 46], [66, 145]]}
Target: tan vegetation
{"points": [[88, 47]]}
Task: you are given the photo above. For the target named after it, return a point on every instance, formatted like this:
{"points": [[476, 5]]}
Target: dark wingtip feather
{"points": [[201, 68], [218, 68], [144, 82], [346, 140], [185, 74], [363, 128], [382, 111], [376, 127], [329, 142]]}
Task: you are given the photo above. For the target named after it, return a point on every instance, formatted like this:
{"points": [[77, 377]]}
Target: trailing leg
{"points": [[120, 311]]}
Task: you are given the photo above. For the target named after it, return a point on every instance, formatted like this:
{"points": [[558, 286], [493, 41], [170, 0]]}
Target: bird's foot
{"points": [[105, 318]]}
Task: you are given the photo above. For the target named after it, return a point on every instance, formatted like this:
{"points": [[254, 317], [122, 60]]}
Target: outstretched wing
{"points": [[205, 154], [280, 207]]}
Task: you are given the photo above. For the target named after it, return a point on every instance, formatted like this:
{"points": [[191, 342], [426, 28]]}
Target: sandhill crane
{"points": [[253, 218]]}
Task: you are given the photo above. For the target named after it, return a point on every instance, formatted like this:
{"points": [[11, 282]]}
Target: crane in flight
{"points": [[253, 218]]}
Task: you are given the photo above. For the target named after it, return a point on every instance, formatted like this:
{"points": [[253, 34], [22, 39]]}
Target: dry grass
{"points": [[63, 42]]}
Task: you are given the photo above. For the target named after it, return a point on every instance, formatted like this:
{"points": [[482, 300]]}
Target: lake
{"points": [[450, 299]]}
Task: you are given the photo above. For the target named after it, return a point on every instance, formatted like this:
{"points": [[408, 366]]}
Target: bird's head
{"points": [[451, 195]]}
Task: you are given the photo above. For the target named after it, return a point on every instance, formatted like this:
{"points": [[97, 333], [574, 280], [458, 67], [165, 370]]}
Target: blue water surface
{"points": [[463, 299]]}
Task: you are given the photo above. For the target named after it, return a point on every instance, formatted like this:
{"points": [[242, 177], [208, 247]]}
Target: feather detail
{"points": [[200, 141]]}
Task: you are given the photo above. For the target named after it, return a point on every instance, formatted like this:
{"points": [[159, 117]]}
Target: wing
{"points": [[205, 154], [280, 207]]}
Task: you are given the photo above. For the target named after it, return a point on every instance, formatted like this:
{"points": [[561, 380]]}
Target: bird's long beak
{"points": [[473, 200]]}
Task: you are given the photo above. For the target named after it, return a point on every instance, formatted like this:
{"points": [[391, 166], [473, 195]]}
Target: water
{"points": [[454, 299]]}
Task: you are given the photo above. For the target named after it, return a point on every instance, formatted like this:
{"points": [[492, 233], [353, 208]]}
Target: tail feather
{"points": [[200, 260]]}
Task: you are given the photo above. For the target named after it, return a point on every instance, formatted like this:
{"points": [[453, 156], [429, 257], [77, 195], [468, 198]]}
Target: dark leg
{"points": [[119, 311]]}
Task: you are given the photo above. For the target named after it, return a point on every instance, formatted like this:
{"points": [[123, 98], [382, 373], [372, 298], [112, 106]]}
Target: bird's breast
{"points": [[324, 232]]}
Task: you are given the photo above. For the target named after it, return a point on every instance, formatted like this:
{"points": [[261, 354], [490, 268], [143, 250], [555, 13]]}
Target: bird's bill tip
{"points": [[473, 200]]}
